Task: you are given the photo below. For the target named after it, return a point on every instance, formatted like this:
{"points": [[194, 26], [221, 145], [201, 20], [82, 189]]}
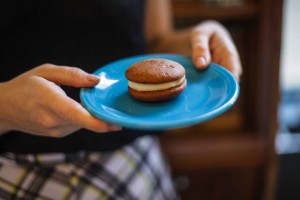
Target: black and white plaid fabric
{"points": [[137, 171]]}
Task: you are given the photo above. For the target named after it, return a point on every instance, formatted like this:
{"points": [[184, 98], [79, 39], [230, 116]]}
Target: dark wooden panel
{"points": [[221, 184], [233, 156]]}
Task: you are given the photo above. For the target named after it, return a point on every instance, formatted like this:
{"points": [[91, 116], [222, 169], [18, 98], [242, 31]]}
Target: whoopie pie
{"points": [[156, 79]]}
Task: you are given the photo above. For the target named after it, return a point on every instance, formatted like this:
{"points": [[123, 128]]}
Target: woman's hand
{"points": [[34, 103], [211, 42], [206, 42]]}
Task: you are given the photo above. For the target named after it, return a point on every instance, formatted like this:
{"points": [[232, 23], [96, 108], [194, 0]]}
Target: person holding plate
{"points": [[51, 146]]}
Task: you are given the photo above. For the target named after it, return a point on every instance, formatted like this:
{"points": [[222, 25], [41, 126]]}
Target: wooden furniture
{"points": [[233, 156]]}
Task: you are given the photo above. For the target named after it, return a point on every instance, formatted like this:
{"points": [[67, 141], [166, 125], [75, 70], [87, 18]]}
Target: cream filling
{"points": [[155, 87]]}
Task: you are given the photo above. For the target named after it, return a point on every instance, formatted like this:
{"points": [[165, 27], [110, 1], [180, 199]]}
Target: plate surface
{"points": [[209, 93]]}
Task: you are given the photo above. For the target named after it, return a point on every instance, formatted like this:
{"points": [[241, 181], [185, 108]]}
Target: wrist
{"points": [[4, 127]]}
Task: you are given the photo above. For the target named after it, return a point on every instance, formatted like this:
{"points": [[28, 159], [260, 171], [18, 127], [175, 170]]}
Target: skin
{"points": [[37, 105], [34, 102], [208, 41]]}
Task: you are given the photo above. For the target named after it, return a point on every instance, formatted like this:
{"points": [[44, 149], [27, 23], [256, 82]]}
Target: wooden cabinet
{"points": [[233, 156]]}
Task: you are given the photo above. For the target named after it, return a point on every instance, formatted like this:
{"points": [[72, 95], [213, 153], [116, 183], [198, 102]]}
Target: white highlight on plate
{"points": [[105, 82]]}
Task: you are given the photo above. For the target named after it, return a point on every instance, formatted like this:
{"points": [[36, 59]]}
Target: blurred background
{"points": [[288, 139], [253, 150]]}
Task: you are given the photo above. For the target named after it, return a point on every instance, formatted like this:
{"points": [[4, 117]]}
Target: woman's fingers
{"points": [[212, 42], [76, 114], [64, 75], [37, 105], [200, 48]]}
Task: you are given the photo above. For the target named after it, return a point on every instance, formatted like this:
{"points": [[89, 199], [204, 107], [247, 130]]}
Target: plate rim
{"points": [[154, 125]]}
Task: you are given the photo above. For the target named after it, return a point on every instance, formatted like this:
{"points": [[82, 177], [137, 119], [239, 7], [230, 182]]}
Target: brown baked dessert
{"points": [[156, 79]]}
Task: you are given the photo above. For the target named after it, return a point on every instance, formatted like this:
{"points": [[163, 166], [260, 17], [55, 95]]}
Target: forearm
{"points": [[4, 127], [177, 42], [160, 33]]}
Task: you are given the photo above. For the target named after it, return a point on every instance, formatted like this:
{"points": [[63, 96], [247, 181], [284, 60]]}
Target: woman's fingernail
{"points": [[115, 128], [201, 62], [92, 77]]}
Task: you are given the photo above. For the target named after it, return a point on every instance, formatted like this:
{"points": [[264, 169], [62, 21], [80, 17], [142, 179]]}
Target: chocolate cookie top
{"points": [[155, 70]]}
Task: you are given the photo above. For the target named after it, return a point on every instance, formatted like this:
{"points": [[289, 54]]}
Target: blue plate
{"points": [[209, 93]]}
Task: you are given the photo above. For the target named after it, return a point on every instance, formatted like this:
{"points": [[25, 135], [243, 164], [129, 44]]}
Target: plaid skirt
{"points": [[136, 171]]}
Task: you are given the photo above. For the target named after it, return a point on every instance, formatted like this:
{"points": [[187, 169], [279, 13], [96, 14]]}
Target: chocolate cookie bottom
{"points": [[160, 95]]}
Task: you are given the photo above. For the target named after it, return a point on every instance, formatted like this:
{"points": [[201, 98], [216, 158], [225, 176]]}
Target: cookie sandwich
{"points": [[156, 79]]}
